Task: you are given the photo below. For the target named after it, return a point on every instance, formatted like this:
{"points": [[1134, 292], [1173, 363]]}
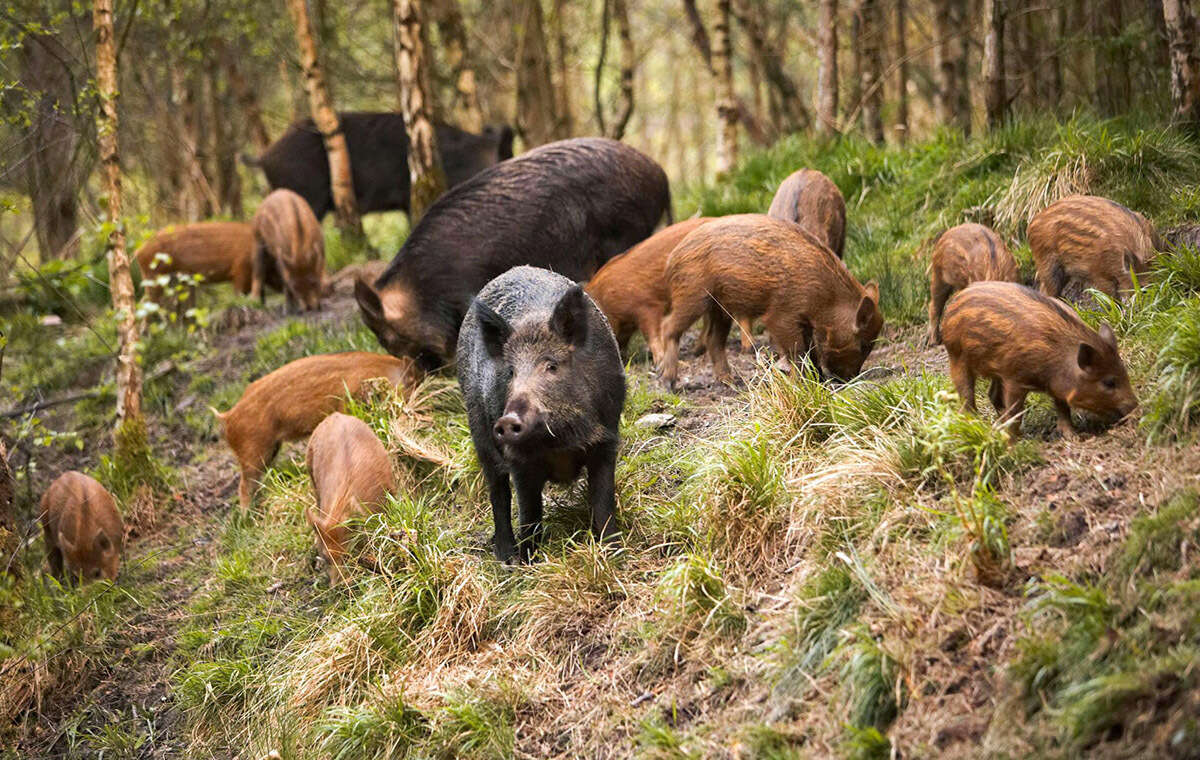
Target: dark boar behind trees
{"points": [[568, 206], [751, 265], [288, 237], [630, 289], [811, 200], [378, 145], [83, 530], [544, 388], [962, 255], [1023, 341], [1091, 240]]}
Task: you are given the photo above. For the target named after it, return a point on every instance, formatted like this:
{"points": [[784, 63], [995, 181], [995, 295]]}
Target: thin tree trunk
{"points": [[129, 374], [224, 143], [727, 110], [341, 180], [902, 70], [946, 95], [562, 89], [412, 73], [453, 34], [1056, 33], [963, 16], [625, 34], [700, 40], [870, 41], [1185, 71], [995, 93], [537, 119], [783, 91], [827, 71], [598, 73], [247, 100], [854, 102]]}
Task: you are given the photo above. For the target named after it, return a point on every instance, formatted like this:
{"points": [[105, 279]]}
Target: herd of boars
{"points": [[530, 277]]}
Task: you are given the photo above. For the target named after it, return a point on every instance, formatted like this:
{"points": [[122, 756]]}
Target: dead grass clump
{"points": [[329, 669]]}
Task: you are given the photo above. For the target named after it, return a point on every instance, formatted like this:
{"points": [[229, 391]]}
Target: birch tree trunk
{"points": [[827, 69], [727, 110], [995, 92], [1185, 77], [453, 33], [870, 41], [129, 373], [902, 70], [341, 180], [428, 181]]}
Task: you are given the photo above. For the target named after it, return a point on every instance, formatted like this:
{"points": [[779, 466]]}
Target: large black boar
{"points": [[378, 147], [568, 207], [544, 387]]}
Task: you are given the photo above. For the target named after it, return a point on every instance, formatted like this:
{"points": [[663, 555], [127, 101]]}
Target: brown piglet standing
{"points": [[962, 255], [290, 402], [83, 529], [351, 474], [630, 290], [811, 200], [217, 251], [1094, 241], [1026, 341], [288, 236], [752, 265]]}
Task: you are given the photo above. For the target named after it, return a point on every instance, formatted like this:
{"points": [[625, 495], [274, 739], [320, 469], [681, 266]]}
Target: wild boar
{"points": [[751, 265], [544, 388], [811, 200], [568, 206], [290, 402], [1026, 341], [378, 144], [288, 237], [962, 255], [1093, 241], [629, 289], [217, 251], [83, 530], [352, 475]]}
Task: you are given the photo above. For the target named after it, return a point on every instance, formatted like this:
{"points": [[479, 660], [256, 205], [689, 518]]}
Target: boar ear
{"points": [[1107, 335], [1088, 357], [102, 542], [368, 300], [570, 317], [66, 546], [872, 289], [492, 327], [866, 311]]}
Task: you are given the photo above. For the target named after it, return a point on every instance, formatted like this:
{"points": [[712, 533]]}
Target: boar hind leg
{"points": [[500, 493], [529, 512], [1066, 426], [746, 329], [602, 495], [54, 555], [964, 382], [1014, 409], [714, 342], [996, 396], [939, 293], [685, 310]]}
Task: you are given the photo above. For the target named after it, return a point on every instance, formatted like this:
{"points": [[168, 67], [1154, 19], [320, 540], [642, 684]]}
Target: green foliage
{"points": [[694, 595], [828, 603], [1157, 541], [1173, 409], [388, 727], [133, 464], [870, 679]]}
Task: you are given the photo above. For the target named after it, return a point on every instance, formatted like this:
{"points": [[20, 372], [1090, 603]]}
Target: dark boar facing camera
{"points": [[544, 389]]}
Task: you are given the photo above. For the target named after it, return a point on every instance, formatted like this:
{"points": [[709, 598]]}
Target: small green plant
{"points": [[695, 596], [870, 680], [983, 516], [1173, 410], [384, 727]]}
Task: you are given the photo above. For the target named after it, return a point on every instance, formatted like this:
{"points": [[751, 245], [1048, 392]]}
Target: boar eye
{"points": [[551, 366], [1110, 383]]}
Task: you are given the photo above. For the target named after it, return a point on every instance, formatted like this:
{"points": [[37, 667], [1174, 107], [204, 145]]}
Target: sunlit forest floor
{"points": [[804, 571]]}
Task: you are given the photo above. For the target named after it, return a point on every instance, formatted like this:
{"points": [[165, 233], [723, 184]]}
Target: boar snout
{"points": [[518, 423]]}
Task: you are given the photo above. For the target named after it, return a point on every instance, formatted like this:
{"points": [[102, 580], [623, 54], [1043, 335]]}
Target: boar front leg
{"points": [[1014, 409], [1066, 426], [500, 493], [602, 493], [258, 273], [54, 555], [964, 382], [529, 511], [719, 322]]}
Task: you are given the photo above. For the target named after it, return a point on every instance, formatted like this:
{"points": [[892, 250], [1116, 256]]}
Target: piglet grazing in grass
{"points": [[289, 239], [83, 529], [1025, 341], [290, 402], [352, 475], [544, 388]]}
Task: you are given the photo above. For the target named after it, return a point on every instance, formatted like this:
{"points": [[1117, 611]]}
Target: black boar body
{"points": [[568, 207], [378, 147], [544, 388]]}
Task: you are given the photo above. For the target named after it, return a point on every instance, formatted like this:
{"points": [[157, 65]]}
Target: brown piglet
{"points": [[1022, 340], [962, 255], [289, 403], [351, 474], [217, 251], [288, 236], [811, 200], [1094, 241], [83, 529], [630, 290], [752, 265]]}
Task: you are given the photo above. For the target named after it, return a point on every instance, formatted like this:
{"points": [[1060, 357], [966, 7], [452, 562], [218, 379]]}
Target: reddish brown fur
{"points": [[219, 251], [962, 255], [1092, 240], [753, 265], [352, 474], [630, 290], [82, 527], [810, 199], [290, 402], [287, 231], [1025, 341]]}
